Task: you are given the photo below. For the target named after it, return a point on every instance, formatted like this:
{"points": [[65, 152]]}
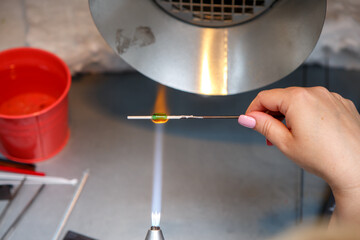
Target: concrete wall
{"points": [[66, 28], [340, 39]]}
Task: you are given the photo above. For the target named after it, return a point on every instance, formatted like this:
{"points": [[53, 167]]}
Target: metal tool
{"points": [[178, 117], [211, 47], [6, 208], [22, 213], [71, 205], [154, 233]]}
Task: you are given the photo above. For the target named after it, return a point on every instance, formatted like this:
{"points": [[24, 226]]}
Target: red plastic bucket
{"points": [[34, 86]]}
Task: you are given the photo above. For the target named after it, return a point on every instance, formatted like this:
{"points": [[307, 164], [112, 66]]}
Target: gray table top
{"points": [[221, 181]]}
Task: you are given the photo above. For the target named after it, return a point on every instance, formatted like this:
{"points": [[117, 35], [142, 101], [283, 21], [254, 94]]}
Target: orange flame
{"points": [[160, 105]]}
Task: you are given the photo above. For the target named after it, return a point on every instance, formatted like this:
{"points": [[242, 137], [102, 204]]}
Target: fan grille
{"points": [[215, 13]]}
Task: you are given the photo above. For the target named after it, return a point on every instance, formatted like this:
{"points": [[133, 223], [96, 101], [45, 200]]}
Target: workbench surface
{"points": [[221, 181]]}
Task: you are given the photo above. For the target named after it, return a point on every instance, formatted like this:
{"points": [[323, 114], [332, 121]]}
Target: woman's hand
{"points": [[322, 135]]}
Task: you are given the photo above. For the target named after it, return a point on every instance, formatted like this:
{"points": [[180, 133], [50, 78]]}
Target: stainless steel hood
{"points": [[212, 47]]}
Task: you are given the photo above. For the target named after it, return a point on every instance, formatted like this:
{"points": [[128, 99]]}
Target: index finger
{"points": [[270, 100]]}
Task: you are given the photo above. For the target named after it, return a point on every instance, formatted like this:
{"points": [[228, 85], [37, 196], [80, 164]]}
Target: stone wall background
{"points": [[65, 27]]}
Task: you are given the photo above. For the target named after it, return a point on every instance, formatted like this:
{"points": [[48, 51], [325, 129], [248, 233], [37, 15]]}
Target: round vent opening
{"points": [[215, 13]]}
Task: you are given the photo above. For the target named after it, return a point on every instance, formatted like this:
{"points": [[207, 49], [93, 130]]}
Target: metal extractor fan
{"points": [[211, 47]]}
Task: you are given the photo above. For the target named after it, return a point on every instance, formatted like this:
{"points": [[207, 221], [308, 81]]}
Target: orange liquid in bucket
{"points": [[26, 103], [28, 90]]}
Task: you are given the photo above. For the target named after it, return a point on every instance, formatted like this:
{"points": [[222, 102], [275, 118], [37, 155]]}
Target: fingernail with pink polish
{"points": [[247, 121]]}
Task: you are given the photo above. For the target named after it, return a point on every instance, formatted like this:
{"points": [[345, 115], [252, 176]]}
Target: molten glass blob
{"points": [[159, 118]]}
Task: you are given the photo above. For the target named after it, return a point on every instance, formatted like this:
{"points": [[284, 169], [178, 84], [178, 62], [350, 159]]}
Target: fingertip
{"points": [[247, 121], [273, 129]]}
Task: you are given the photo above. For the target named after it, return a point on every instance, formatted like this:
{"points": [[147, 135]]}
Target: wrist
{"points": [[347, 210]]}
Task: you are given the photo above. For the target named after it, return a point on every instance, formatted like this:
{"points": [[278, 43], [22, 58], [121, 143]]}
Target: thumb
{"points": [[273, 129]]}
